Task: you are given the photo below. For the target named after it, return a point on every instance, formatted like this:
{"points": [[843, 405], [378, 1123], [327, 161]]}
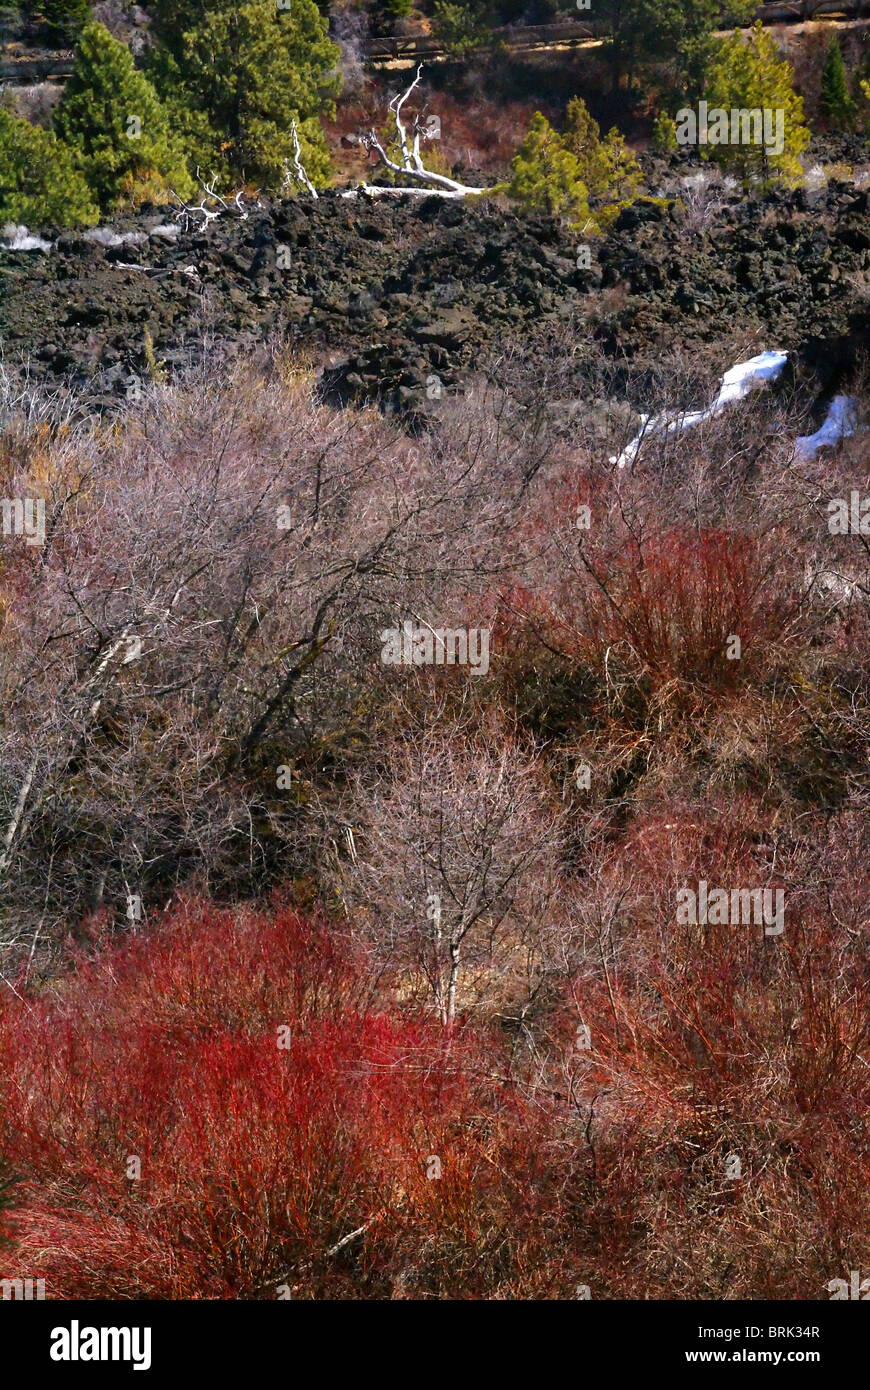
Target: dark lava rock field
{"points": [[383, 296]]}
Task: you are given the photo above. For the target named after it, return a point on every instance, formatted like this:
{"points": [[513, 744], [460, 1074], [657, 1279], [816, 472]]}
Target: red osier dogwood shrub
{"points": [[673, 600], [161, 1059], [165, 1146]]}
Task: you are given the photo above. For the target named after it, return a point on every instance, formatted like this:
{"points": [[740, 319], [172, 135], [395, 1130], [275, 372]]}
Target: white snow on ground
{"points": [[737, 383], [19, 239], [104, 236], [841, 423], [167, 231]]}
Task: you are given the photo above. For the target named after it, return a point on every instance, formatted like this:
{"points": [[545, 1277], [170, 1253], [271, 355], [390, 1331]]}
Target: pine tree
{"points": [[748, 73], [65, 18], [607, 167], [546, 176], [836, 104], [236, 76], [10, 21], [111, 117], [646, 32], [462, 27], [664, 133], [39, 182], [384, 14]]}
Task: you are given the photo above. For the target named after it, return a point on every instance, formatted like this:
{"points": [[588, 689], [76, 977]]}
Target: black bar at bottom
{"points": [[169, 1340]]}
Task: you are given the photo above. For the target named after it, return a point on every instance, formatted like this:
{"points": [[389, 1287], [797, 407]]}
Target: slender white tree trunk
{"points": [[451, 988]]}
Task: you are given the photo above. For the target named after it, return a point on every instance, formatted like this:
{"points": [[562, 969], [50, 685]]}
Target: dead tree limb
{"points": [[298, 165], [17, 814], [412, 165], [210, 214]]}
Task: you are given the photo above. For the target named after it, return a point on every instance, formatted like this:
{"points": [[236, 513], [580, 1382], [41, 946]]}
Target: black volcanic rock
{"points": [[386, 294]]}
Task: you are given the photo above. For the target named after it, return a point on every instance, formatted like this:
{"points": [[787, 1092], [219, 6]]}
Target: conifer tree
{"points": [[607, 167], [119, 131], [384, 14], [642, 32], [748, 73], [546, 176], [462, 27], [836, 103], [65, 18], [664, 133], [237, 75], [40, 184]]}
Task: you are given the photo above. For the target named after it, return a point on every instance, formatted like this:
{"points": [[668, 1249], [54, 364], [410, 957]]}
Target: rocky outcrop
{"points": [[396, 301]]}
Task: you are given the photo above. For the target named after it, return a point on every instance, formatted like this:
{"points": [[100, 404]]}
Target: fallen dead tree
{"points": [[424, 182], [188, 212], [412, 166]]}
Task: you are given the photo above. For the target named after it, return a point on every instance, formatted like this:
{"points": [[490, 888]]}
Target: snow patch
{"points": [[841, 423], [19, 239], [737, 383], [104, 236], [167, 231]]}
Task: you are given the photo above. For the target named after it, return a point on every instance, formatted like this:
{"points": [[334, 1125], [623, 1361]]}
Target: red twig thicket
{"points": [[665, 605], [168, 1147]]}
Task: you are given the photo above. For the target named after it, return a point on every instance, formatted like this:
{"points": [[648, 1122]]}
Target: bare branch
{"points": [[298, 165], [412, 165]]}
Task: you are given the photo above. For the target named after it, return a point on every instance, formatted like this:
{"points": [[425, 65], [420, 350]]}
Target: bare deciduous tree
{"points": [[204, 609], [457, 843]]}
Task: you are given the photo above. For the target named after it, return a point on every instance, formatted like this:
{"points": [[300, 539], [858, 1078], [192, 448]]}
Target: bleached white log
{"points": [[412, 165], [297, 163]]}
